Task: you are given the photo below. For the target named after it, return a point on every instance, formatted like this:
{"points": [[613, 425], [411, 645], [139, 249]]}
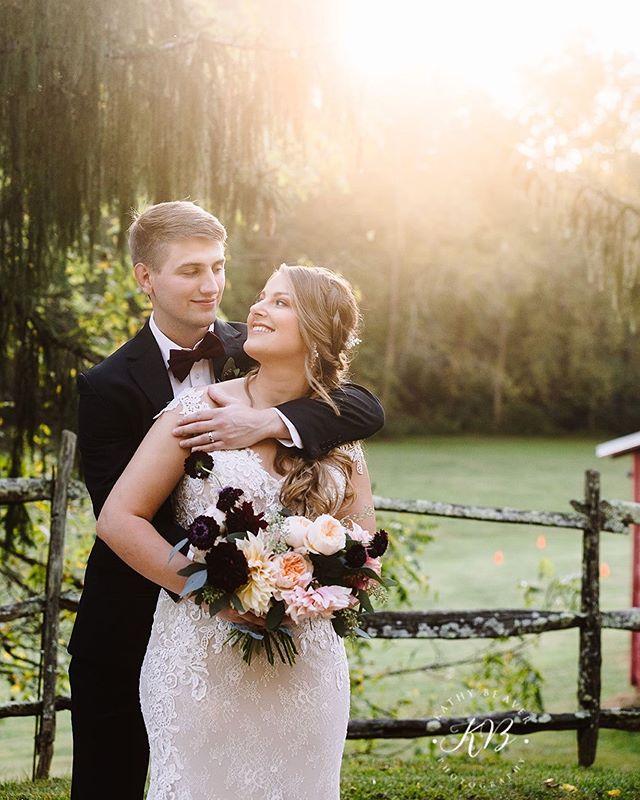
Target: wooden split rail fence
{"points": [[591, 516]]}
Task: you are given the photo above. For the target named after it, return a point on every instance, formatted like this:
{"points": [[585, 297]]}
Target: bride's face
{"points": [[273, 331]]}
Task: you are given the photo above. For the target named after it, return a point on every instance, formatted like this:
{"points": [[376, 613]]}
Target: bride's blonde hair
{"points": [[328, 319]]}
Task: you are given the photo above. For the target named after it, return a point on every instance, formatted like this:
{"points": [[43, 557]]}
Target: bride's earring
{"points": [[314, 356]]}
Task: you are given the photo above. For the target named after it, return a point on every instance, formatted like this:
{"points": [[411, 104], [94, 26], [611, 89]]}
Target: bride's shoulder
{"points": [[195, 398]]}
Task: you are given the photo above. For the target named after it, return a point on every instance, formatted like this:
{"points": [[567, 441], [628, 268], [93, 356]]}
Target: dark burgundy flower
{"points": [[227, 567], [356, 555], [244, 518], [198, 464], [379, 544], [228, 497], [203, 532]]}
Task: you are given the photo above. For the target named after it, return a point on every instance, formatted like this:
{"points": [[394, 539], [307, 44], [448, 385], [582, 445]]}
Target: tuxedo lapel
{"points": [[148, 370], [232, 339]]}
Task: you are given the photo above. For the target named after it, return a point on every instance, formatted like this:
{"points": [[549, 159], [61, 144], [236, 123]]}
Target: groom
{"points": [[178, 252]]}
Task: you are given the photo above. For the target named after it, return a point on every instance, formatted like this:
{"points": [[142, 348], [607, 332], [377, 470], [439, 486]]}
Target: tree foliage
{"points": [[101, 105], [495, 256], [583, 161]]}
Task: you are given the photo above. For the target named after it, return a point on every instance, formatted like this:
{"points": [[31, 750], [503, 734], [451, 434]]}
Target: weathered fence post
{"points": [[590, 630], [49, 648]]}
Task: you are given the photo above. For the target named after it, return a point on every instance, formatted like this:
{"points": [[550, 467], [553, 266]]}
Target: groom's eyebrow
{"points": [[200, 263]]}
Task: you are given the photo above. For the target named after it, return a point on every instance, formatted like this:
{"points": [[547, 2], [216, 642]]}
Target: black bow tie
{"points": [[181, 361]]}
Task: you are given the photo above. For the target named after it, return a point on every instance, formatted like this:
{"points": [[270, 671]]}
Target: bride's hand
{"points": [[248, 618]]}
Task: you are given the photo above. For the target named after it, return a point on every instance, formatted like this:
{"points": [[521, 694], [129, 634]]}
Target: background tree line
{"points": [[495, 253]]}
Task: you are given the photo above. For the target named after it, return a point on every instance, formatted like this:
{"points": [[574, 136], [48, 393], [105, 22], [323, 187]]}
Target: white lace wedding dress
{"points": [[218, 728]]}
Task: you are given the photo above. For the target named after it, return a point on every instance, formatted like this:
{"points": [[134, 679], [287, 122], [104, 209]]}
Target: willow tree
{"points": [[102, 104], [583, 160]]}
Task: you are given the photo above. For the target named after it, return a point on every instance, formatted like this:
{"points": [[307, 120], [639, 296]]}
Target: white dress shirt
{"points": [[201, 374]]}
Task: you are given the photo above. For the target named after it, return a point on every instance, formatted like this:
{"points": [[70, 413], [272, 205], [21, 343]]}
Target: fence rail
{"points": [[57, 491], [591, 516]]}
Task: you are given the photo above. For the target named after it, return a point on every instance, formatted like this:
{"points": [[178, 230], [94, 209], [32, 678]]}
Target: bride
{"points": [[219, 728]]}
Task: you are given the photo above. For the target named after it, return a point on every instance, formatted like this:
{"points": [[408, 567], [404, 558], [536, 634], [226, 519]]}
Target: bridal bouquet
{"points": [[284, 569]]}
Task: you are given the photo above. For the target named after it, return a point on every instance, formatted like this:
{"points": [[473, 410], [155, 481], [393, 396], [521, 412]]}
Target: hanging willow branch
{"points": [[102, 104], [607, 227]]}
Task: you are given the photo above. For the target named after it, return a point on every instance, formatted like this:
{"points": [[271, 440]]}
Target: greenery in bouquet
{"points": [[283, 568]]}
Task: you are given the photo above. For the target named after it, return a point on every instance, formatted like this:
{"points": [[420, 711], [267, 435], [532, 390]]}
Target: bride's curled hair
{"points": [[329, 320]]}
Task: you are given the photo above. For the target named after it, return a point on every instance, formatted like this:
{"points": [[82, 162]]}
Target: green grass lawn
{"points": [[523, 473], [463, 572], [428, 779]]}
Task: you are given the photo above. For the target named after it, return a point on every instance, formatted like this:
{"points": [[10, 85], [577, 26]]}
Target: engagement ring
{"points": [[210, 437]]}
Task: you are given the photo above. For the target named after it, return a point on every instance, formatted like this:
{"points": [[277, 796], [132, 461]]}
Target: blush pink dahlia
{"points": [[304, 604], [359, 534]]}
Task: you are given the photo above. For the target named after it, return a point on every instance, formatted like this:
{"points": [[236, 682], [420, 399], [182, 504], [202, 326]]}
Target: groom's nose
{"points": [[209, 285]]}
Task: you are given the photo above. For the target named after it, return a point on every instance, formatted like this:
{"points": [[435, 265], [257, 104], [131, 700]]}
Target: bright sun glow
{"points": [[486, 42]]}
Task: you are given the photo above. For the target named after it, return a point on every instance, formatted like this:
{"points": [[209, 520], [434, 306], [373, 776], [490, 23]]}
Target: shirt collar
{"points": [[164, 342]]}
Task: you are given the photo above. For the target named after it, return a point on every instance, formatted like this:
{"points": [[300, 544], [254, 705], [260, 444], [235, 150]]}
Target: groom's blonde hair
{"points": [[159, 225]]}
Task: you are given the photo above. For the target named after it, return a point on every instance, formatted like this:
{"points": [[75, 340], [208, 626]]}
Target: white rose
{"points": [[325, 536], [295, 529]]}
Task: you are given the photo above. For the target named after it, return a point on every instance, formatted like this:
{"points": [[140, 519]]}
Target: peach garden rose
{"points": [[325, 536], [292, 569]]}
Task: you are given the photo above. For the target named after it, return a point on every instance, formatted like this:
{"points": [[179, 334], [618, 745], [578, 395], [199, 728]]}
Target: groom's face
{"points": [[186, 288]]}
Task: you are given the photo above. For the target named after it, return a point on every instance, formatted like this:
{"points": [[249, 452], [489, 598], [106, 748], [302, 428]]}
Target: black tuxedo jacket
{"points": [[118, 401]]}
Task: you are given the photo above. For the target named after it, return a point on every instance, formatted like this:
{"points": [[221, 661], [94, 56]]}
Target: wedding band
{"points": [[210, 437]]}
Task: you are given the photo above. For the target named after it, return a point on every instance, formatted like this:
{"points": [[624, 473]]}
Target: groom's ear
{"points": [[143, 277]]}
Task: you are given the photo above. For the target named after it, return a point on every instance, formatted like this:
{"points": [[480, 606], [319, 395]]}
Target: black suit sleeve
{"points": [[361, 415], [107, 440], [104, 442]]}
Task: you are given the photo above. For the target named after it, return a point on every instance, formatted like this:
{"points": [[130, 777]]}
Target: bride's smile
{"points": [[273, 328]]}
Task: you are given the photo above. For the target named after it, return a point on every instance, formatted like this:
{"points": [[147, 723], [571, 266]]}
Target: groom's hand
{"points": [[231, 426]]}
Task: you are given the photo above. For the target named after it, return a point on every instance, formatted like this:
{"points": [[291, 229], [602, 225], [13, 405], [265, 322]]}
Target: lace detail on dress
{"points": [[220, 729], [354, 451], [193, 399]]}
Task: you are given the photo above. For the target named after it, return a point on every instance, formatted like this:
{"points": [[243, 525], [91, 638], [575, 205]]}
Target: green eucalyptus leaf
{"points": [[219, 604], [231, 537], [275, 615], [365, 602], [194, 582], [339, 626], [177, 547], [191, 569], [370, 574], [235, 602]]}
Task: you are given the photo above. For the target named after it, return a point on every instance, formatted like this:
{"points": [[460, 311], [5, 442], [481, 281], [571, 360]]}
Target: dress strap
{"points": [[193, 399]]}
